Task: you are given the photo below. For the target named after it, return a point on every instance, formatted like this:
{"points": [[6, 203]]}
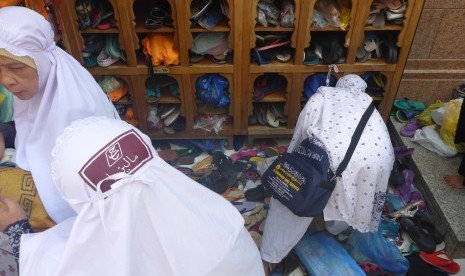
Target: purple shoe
{"points": [[402, 151], [408, 130], [405, 190]]}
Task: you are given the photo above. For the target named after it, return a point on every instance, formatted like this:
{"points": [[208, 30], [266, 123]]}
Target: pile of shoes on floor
{"points": [[235, 176], [407, 222], [407, 242]]}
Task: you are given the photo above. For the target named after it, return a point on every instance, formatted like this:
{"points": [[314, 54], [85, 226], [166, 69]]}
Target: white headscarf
{"points": [[136, 214], [66, 92]]}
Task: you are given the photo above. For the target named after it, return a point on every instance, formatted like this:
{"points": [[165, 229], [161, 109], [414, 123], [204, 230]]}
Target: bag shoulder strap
{"points": [[355, 138]]}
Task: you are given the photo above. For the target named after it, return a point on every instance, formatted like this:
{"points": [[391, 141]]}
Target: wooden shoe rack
{"points": [[241, 73]]}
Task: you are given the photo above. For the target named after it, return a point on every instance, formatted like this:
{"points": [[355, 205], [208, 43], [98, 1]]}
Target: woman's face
{"points": [[20, 79]]}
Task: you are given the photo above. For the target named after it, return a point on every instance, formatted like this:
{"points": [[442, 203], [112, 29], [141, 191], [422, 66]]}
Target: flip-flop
{"points": [[408, 130], [418, 266], [405, 115], [283, 55], [441, 260], [406, 103], [272, 119]]}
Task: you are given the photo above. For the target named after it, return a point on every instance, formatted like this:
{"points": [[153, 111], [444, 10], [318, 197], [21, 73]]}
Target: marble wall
{"points": [[436, 62]]}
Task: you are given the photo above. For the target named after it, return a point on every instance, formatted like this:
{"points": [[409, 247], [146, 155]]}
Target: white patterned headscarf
{"points": [[136, 214], [66, 92], [352, 83]]}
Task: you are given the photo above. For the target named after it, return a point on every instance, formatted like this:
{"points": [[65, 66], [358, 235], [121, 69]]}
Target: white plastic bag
{"points": [[438, 114], [429, 138]]}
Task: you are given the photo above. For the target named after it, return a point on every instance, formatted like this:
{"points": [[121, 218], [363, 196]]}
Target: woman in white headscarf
{"points": [[51, 89], [332, 115], [136, 214]]}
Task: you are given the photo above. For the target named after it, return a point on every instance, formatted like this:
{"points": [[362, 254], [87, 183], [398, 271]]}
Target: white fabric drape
{"points": [[66, 92], [153, 221]]}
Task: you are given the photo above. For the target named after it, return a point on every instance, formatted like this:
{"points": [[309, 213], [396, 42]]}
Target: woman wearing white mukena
{"points": [[136, 214], [51, 89], [332, 115]]}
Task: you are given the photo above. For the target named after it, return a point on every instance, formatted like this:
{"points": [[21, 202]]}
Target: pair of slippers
{"points": [[422, 232], [268, 115], [407, 109], [159, 16]]}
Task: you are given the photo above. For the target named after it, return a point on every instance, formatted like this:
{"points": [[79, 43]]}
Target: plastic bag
{"points": [[330, 10], [154, 121], [375, 248], [438, 114], [424, 118], [213, 89], [429, 138], [449, 123], [345, 15], [210, 122]]}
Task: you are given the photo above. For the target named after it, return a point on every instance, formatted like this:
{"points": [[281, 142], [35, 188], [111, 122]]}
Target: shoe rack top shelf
{"points": [[241, 72]]}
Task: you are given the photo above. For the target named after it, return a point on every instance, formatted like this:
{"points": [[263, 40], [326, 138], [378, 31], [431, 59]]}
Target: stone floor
{"points": [[446, 204]]}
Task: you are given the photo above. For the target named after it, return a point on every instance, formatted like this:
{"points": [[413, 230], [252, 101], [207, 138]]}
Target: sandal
{"points": [[441, 260], [405, 115], [420, 238], [408, 130], [406, 103], [158, 17], [268, 84]]}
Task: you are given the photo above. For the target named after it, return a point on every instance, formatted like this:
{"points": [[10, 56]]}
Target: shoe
{"points": [[402, 151], [90, 60], [417, 235], [198, 7], [272, 119], [211, 17], [408, 130], [105, 60], [166, 110], [172, 117], [426, 224]]}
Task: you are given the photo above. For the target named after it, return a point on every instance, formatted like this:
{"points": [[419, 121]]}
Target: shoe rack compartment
{"points": [[260, 106], [227, 125]]}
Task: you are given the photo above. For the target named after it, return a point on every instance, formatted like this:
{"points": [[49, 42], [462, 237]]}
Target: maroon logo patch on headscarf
{"points": [[126, 153]]}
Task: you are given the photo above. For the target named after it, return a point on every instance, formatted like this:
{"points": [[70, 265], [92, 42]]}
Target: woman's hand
{"points": [[10, 212]]}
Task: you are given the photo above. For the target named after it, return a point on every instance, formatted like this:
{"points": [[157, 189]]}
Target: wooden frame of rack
{"points": [[241, 73]]}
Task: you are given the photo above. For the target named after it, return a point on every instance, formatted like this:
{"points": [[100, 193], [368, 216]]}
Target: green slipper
{"points": [[406, 104]]}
